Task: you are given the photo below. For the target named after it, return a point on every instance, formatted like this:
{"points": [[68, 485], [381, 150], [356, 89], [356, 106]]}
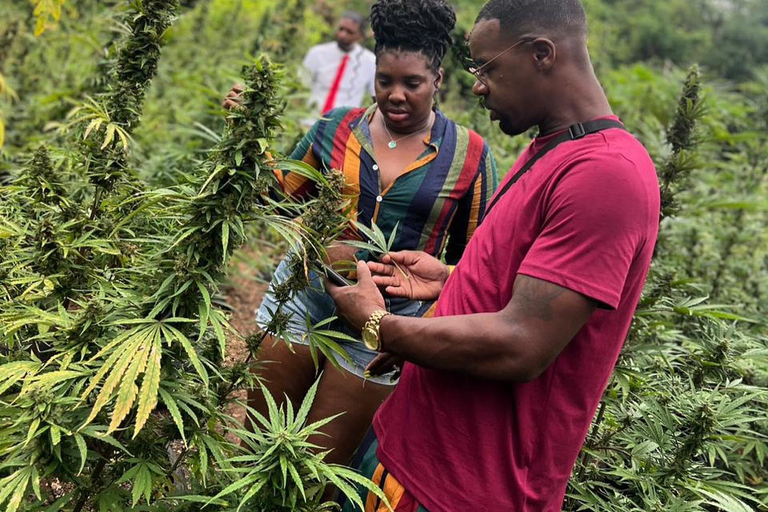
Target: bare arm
{"points": [[518, 343], [515, 344]]}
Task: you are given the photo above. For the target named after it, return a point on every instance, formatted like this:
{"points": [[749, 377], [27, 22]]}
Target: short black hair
{"points": [[362, 22], [517, 17], [414, 25]]}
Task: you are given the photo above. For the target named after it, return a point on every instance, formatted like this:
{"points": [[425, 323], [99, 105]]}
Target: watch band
{"points": [[371, 330]]}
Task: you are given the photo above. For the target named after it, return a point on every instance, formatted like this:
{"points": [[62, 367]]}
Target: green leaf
{"points": [[97, 432], [218, 170], [224, 241], [83, 449], [301, 168], [206, 300], [14, 488], [247, 480], [173, 409], [57, 505], [142, 484], [173, 333]]}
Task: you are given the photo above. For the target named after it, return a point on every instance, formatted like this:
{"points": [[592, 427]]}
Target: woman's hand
{"points": [[339, 252], [234, 97], [414, 275]]}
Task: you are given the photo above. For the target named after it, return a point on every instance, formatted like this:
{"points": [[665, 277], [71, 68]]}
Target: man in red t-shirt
{"points": [[499, 388]]}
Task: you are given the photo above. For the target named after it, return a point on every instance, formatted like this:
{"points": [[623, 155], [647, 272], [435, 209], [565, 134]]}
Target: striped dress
{"points": [[436, 204]]}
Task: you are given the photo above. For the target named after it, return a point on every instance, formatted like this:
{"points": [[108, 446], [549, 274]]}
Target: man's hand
{"points": [[384, 363], [356, 303], [234, 97], [414, 275]]}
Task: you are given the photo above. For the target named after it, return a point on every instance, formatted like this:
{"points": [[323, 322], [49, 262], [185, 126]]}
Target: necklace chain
{"points": [[392, 141]]}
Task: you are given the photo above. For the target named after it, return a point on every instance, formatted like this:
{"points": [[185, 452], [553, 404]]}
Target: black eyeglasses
{"points": [[479, 71]]}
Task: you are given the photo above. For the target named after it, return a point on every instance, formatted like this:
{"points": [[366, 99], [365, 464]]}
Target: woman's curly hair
{"points": [[414, 25]]}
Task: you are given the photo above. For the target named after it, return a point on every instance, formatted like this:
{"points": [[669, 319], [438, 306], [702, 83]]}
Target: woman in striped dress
{"points": [[407, 167]]}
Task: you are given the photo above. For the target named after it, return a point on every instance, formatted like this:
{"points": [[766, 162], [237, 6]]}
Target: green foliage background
{"points": [[682, 425]]}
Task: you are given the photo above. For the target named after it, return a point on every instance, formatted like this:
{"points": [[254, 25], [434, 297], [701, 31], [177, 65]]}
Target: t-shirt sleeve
{"points": [[594, 224]]}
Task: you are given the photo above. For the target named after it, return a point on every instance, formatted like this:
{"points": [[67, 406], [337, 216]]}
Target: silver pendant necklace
{"points": [[392, 144]]}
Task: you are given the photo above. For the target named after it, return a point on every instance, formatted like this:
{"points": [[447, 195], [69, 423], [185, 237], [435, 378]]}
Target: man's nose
{"points": [[479, 88]]}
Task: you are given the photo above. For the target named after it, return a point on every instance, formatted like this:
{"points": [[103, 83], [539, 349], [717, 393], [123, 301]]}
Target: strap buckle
{"points": [[577, 131]]}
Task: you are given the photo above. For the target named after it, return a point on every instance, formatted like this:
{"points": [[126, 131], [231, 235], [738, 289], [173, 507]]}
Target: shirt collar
{"points": [[362, 129]]}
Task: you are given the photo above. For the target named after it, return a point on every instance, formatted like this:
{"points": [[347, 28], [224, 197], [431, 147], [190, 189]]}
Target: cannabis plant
{"points": [[280, 470], [112, 374], [680, 428]]}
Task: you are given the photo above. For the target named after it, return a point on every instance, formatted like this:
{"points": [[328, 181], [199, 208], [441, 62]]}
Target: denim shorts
{"points": [[315, 303]]}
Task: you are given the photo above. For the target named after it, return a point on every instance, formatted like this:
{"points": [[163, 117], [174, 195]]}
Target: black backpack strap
{"points": [[574, 132]]}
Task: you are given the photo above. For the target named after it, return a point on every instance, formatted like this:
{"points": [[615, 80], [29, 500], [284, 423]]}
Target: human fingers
{"points": [[382, 363], [331, 288], [386, 281], [229, 104], [403, 257], [398, 291], [363, 272], [381, 269]]}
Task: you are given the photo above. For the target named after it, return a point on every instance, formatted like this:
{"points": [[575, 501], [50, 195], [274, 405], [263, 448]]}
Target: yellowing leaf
{"points": [[149, 386], [126, 395], [93, 125], [11, 373], [110, 136], [46, 12], [116, 365]]}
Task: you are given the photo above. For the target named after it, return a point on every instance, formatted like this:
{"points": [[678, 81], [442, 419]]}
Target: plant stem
{"points": [[96, 203], [84, 495], [595, 429], [186, 450]]}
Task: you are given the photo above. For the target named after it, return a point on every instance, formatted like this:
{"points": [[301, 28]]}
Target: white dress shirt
{"points": [[356, 87]]}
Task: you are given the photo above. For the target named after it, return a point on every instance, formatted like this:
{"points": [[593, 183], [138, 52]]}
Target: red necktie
{"points": [[331, 99]]}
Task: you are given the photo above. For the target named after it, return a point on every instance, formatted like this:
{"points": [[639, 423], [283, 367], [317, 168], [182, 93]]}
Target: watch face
{"points": [[370, 339]]}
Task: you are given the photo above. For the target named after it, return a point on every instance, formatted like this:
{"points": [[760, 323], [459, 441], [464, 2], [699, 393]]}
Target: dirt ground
{"points": [[244, 294]]}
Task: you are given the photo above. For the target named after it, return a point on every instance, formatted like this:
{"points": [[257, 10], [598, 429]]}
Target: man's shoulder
{"points": [[611, 151], [616, 163], [364, 55], [367, 54], [322, 48]]}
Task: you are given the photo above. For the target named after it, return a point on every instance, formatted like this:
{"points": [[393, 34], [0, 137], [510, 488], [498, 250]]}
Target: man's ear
{"points": [[439, 79], [544, 53]]}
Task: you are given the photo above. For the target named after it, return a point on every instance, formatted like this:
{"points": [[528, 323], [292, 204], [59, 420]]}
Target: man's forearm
{"points": [[483, 345]]}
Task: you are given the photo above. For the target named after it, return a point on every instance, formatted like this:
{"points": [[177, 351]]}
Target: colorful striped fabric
{"points": [[369, 466], [436, 204]]}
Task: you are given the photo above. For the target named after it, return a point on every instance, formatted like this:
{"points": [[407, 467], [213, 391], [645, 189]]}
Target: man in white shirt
{"points": [[341, 73]]}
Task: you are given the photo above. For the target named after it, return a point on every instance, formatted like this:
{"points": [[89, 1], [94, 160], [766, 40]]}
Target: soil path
{"points": [[244, 293]]}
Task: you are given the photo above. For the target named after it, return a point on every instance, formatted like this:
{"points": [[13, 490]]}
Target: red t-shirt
{"points": [[584, 217]]}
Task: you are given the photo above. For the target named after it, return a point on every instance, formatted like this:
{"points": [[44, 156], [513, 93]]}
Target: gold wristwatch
{"points": [[371, 336]]}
